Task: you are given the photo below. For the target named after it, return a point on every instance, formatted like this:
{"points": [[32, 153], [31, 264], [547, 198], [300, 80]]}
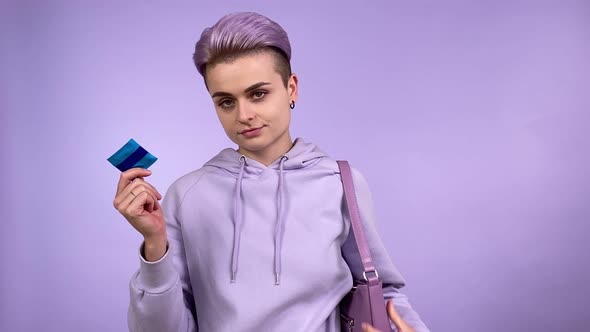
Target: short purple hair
{"points": [[243, 33]]}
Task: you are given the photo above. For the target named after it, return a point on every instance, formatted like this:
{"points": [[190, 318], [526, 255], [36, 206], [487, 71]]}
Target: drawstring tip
{"points": [[277, 280], [233, 277]]}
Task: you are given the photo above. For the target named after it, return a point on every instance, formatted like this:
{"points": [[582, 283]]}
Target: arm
{"points": [[161, 297], [391, 278]]}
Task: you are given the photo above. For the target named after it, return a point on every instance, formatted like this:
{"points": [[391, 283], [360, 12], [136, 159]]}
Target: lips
{"points": [[250, 130], [251, 133]]}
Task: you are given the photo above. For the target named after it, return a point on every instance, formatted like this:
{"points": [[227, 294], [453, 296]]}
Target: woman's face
{"points": [[252, 104]]}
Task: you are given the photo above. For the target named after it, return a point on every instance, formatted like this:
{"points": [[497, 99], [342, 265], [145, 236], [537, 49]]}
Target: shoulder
{"points": [[332, 165], [181, 186]]}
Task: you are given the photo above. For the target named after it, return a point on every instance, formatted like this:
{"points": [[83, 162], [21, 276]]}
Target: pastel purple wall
{"points": [[469, 119]]}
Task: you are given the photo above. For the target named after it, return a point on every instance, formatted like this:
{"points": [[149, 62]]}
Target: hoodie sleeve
{"points": [[390, 276], [161, 297]]}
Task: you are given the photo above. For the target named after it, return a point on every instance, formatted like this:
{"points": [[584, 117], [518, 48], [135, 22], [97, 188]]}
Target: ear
{"points": [[292, 87]]}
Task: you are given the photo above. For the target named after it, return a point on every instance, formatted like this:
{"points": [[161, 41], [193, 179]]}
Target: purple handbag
{"points": [[365, 301]]}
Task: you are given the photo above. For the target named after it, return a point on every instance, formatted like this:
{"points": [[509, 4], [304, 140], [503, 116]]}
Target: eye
{"points": [[226, 103], [256, 95]]}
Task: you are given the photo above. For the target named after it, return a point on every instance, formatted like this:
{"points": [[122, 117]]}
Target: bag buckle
{"points": [[365, 274]]}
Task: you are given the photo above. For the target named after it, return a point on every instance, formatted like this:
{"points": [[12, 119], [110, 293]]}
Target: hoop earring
{"points": [[292, 105]]}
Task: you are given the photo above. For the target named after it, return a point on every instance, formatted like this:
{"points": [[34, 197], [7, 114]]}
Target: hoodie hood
{"points": [[301, 155]]}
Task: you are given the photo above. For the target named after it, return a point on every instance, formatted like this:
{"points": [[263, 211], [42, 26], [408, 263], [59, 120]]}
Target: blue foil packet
{"points": [[132, 155]]}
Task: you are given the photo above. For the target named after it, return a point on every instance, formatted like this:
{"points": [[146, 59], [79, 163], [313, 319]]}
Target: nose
{"points": [[245, 112]]}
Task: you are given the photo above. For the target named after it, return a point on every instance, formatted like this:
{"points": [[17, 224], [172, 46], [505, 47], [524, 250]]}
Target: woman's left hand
{"points": [[394, 317]]}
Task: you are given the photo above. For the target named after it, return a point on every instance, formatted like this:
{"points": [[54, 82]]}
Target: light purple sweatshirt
{"points": [[256, 248]]}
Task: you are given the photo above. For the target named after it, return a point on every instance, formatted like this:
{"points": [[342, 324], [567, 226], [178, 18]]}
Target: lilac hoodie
{"points": [[256, 248]]}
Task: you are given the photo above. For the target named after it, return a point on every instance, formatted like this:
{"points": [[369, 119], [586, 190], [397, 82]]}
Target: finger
{"points": [[368, 328], [140, 187], [149, 204], [123, 205], [129, 175], [126, 198], [147, 200], [136, 187], [394, 316], [156, 192], [124, 195], [136, 208], [157, 206], [130, 198]]}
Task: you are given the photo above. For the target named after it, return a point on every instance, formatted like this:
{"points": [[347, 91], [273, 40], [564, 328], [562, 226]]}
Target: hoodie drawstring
{"points": [[238, 220], [280, 221]]}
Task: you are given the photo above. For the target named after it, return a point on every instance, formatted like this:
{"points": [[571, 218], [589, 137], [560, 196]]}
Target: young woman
{"points": [[258, 239]]}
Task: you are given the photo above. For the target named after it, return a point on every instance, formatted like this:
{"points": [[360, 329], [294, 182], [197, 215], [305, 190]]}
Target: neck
{"points": [[276, 149]]}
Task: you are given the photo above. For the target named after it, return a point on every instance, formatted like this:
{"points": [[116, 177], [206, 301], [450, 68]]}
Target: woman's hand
{"points": [[399, 323], [137, 201]]}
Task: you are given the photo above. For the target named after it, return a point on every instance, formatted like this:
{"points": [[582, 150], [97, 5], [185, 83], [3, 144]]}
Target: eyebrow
{"points": [[248, 89]]}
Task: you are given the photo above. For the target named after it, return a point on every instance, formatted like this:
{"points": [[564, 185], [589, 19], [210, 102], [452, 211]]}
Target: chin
{"points": [[251, 145]]}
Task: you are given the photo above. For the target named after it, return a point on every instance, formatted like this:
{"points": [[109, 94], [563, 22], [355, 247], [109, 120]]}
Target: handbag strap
{"points": [[355, 220]]}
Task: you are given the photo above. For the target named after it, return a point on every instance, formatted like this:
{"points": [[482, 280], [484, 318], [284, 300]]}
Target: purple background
{"points": [[469, 120]]}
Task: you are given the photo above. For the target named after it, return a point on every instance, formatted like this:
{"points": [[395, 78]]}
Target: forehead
{"points": [[242, 72]]}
